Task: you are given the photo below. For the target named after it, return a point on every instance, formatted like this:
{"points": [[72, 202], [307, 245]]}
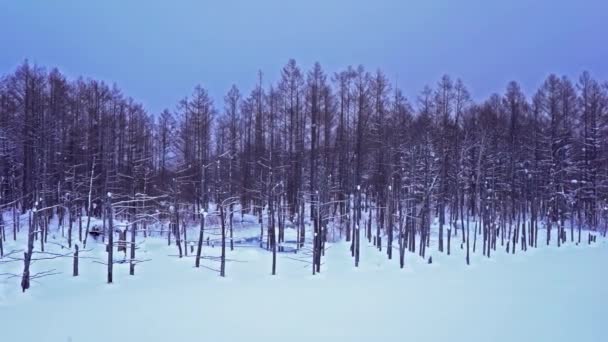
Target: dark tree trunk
{"points": [[223, 256], [75, 266], [110, 248], [132, 249], [199, 248]]}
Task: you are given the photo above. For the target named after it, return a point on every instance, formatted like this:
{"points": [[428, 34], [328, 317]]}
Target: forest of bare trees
{"points": [[343, 151]]}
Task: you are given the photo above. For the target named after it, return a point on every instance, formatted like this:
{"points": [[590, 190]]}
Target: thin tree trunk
{"points": [[75, 268], [132, 250], [223, 256], [200, 240], [27, 258], [110, 245], [176, 229]]}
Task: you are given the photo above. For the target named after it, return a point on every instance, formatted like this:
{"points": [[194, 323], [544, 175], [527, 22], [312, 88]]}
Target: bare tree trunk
{"points": [[176, 228], [103, 225], [272, 228], [449, 239], [200, 240], [314, 253], [261, 221], [389, 226], [579, 231], [132, 250], [27, 259], [110, 248], [89, 207], [524, 245], [319, 235], [75, 266], [1, 236], [70, 225], [349, 217], [46, 227], [223, 257], [475, 235], [185, 236], [468, 233], [231, 218], [274, 251], [16, 223], [358, 230], [302, 226], [402, 239], [548, 232], [42, 226], [355, 223], [79, 224], [169, 233], [378, 232]]}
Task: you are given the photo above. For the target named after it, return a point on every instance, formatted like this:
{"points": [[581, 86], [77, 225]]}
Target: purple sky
{"points": [[158, 50]]}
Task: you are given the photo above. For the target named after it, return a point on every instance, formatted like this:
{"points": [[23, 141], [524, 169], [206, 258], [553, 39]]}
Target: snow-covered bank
{"points": [[545, 294]]}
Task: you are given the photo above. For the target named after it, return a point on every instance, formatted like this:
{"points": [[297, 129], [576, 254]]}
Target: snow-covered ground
{"points": [[545, 294]]}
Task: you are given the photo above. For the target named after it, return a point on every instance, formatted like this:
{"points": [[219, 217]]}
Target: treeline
{"points": [[314, 146]]}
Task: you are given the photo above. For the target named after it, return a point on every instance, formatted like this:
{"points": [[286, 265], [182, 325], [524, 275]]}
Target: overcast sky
{"points": [[158, 50]]}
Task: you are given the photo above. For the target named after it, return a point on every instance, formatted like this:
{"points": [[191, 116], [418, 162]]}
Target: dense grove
{"points": [[317, 147]]}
